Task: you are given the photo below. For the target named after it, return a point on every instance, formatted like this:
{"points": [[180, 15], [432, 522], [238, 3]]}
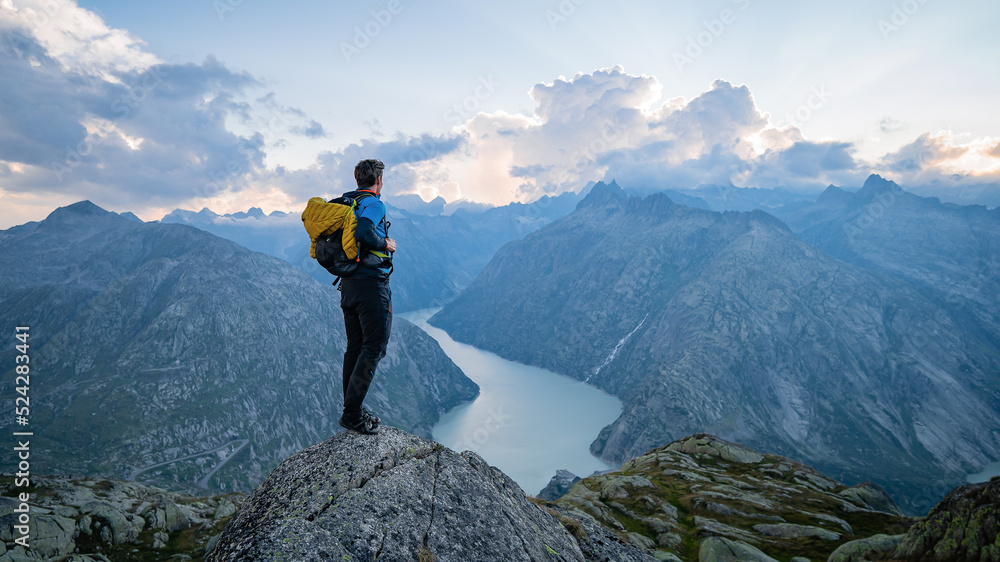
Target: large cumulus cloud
{"points": [[610, 124]]}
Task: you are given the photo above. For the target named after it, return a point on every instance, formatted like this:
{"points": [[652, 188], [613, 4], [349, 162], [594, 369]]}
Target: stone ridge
{"points": [[392, 496]]}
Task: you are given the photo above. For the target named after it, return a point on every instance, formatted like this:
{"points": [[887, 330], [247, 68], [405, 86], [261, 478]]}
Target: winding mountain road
{"points": [[203, 483]]}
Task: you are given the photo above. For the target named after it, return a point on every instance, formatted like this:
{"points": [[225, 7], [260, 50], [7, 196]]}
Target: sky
{"points": [[227, 104]]}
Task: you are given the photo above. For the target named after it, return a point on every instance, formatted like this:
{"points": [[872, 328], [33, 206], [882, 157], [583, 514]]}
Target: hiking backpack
{"points": [[329, 250]]}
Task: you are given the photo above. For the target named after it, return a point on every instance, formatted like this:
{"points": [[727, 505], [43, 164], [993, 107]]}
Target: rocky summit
{"points": [[395, 496]]}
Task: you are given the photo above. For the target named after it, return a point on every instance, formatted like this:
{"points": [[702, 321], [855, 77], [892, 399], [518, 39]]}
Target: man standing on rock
{"points": [[366, 299]]}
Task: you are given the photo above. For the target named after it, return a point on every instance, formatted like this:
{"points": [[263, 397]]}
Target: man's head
{"points": [[368, 173]]}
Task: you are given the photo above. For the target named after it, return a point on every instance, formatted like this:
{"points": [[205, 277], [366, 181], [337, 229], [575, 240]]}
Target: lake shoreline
{"points": [[527, 421]]}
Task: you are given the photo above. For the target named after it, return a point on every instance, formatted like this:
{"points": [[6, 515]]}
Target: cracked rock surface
{"points": [[391, 496]]}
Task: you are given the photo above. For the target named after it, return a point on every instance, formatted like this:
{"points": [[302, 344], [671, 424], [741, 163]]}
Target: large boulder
{"points": [[873, 497], [703, 443], [109, 523], [864, 549], [718, 549], [391, 496]]}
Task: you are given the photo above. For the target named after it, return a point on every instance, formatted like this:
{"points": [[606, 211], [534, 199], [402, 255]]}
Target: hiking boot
{"points": [[370, 416], [361, 425]]}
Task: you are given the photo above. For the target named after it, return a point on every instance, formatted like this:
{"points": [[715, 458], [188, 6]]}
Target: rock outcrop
{"points": [[558, 485], [394, 496], [704, 498], [100, 519], [965, 525]]}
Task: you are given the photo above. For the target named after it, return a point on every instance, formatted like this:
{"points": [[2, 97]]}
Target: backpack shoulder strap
{"points": [[362, 195]]}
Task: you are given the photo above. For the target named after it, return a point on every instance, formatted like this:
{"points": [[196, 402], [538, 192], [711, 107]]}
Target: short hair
{"points": [[367, 171]]}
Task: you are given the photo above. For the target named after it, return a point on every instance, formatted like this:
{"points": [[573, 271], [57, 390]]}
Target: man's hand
{"points": [[390, 244]]}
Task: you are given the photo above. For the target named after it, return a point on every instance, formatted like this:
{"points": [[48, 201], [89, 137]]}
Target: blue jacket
{"points": [[371, 232]]}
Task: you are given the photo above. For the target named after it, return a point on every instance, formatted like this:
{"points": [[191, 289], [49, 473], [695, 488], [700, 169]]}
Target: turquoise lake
{"points": [[526, 421]]}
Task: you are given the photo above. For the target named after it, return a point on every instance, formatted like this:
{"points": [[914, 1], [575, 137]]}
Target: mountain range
{"points": [[950, 252], [729, 323], [166, 354], [438, 256]]}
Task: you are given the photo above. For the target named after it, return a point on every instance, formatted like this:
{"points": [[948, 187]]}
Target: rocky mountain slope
{"points": [[728, 323], [101, 519], [950, 252], [439, 254], [169, 355]]}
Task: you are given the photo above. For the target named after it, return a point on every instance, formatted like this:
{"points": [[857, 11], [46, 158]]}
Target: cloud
{"points": [[406, 160], [272, 115], [925, 152], [806, 165], [891, 125], [994, 151], [952, 167], [725, 115], [609, 124], [76, 38], [85, 111], [607, 93]]}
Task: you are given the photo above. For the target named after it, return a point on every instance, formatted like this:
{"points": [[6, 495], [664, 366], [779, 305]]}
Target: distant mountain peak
{"points": [[833, 193], [876, 184], [81, 208], [255, 212], [85, 211], [602, 194]]}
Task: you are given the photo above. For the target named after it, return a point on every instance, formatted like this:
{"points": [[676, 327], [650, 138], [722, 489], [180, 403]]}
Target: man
{"points": [[366, 299]]}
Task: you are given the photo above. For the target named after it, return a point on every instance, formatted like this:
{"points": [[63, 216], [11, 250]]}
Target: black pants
{"points": [[367, 305]]}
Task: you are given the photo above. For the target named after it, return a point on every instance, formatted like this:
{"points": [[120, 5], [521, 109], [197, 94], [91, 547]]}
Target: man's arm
{"points": [[370, 239]]}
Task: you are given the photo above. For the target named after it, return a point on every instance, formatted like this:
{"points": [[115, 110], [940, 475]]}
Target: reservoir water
{"points": [[989, 471], [526, 421]]}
